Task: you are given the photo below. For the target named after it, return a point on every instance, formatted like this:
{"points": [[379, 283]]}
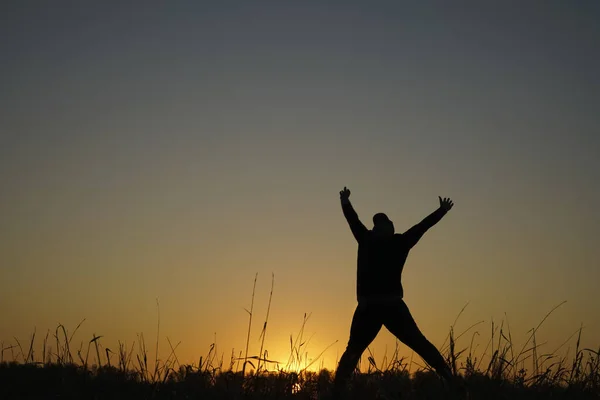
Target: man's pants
{"points": [[395, 316]]}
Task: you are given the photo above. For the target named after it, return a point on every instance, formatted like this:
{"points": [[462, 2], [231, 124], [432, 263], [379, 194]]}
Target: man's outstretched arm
{"points": [[357, 227], [414, 234]]}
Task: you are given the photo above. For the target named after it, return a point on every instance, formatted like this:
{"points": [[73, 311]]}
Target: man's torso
{"points": [[380, 264]]}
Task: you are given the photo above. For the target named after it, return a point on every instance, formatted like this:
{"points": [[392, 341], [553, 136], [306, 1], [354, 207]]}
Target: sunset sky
{"points": [[172, 150]]}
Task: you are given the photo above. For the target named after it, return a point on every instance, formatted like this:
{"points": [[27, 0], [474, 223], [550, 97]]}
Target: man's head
{"points": [[382, 226]]}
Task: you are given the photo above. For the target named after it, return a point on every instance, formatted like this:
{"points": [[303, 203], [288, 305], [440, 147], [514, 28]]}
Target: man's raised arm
{"points": [[414, 234], [357, 227]]}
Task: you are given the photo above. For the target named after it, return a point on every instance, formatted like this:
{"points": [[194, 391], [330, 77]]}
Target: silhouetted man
{"points": [[381, 257]]}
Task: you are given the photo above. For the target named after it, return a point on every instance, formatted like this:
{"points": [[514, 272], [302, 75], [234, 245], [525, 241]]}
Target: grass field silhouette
{"points": [[94, 372]]}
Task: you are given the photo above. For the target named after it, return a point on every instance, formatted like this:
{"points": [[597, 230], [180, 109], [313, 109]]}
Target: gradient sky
{"points": [[173, 150]]}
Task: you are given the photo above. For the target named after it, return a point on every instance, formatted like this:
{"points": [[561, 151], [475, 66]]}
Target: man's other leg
{"points": [[398, 320], [366, 324]]}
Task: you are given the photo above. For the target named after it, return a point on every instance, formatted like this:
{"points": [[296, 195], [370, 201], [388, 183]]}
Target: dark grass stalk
{"points": [[381, 366], [81, 360], [249, 327], [158, 368], [68, 339], [108, 351], [410, 364], [20, 350], [593, 364], [232, 360], [490, 368], [421, 367], [76, 329], [536, 328], [470, 363], [59, 358], [566, 341], [511, 347], [141, 370], [44, 347], [30, 352], [451, 354], [302, 343], [175, 359], [487, 346], [536, 369], [237, 367], [87, 353], [467, 330], [49, 361], [263, 334], [372, 364], [143, 361], [384, 361], [67, 358], [394, 356], [575, 369], [170, 362], [295, 347], [454, 324], [129, 362], [506, 363], [221, 361], [125, 357], [9, 348], [156, 362], [305, 357], [208, 361], [122, 356], [94, 340], [499, 352]]}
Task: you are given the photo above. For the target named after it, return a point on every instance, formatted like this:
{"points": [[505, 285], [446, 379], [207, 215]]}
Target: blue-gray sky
{"points": [[172, 149]]}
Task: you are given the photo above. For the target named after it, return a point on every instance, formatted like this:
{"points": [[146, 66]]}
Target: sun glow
{"points": [[296, 388], [290, 361]]}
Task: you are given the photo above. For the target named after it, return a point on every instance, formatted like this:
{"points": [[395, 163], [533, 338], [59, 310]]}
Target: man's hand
{"points": [[445, 204], [345, 195]]}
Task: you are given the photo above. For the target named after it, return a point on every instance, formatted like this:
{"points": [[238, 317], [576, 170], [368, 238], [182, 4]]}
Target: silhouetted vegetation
{"points": [[95, 372], [61, 378]]}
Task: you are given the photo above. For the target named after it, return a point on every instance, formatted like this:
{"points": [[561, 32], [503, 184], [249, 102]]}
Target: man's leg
{"points": [[366, 324], [398, 320]]}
